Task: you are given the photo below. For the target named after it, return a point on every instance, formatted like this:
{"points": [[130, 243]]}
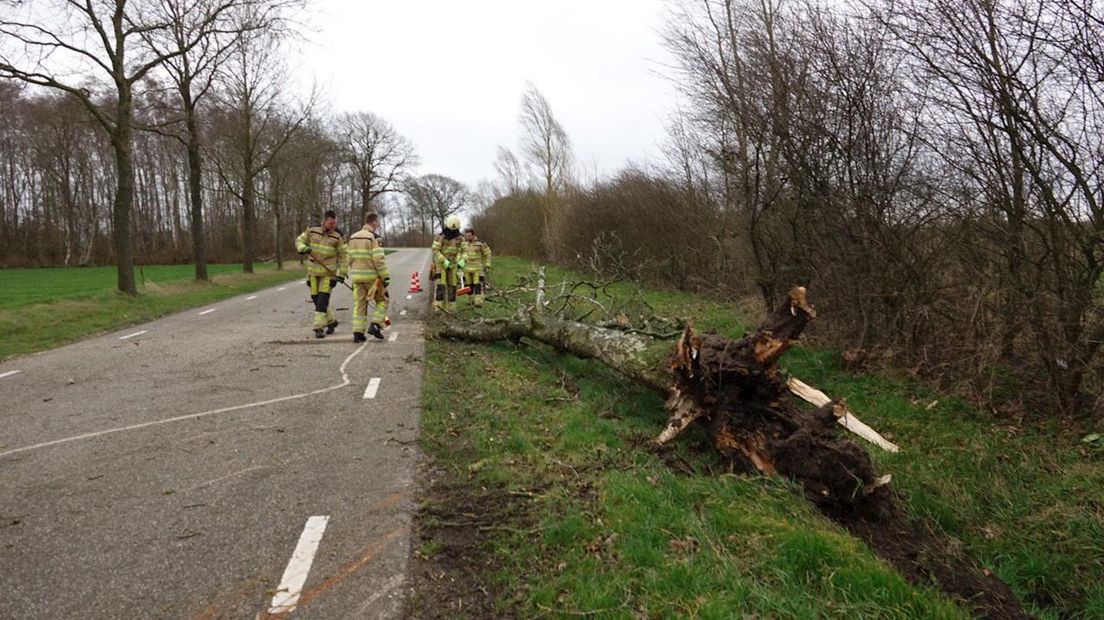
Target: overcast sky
{"points": [[450, 74]]}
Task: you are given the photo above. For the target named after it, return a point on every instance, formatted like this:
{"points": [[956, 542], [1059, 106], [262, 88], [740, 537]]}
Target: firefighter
{"points": [[324, 247], [475, 260], [368, 272], [446, 255]]}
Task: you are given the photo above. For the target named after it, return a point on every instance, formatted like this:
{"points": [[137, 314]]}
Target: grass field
{"points": [[29, 286], [44, 308], [544, 487]]}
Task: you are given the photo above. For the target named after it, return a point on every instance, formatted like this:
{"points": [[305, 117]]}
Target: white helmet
{"points": [[452, 222]]}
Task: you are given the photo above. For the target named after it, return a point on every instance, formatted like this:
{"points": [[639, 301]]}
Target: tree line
{"points": [[180, 141], [931, 169]]}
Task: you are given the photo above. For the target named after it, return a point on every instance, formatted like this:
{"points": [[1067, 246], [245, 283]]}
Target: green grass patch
{"points": [[614, 530], [49, 284], [45, 308]]}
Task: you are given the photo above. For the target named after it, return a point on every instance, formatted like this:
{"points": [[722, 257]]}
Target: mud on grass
{"points": [[450, 558], [925, 556]]}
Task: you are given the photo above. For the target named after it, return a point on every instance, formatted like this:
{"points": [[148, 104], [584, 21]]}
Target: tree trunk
{"points": [[122, 141], [636, 357], [365, 201], [195, 183], [279, 228], [248, 222], [174, 205]]}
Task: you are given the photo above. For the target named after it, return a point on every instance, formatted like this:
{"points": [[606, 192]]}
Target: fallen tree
{"points": [[733, 386], [736, 389]]}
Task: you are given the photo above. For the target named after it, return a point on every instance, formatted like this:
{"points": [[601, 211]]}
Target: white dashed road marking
{"points": [[403, 312], [282, 288], [373, 387], [410, 297], [129, 336], [9, 373], [207, 311], [251, 298], [191, 416], [295, 575], [393, 337]]}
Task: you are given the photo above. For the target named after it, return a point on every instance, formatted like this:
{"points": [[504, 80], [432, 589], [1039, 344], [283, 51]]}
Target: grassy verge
{"points": [[598, 524], [83, 302], [574, 513], [49, 284]]}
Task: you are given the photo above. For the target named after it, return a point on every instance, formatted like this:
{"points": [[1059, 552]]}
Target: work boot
{"points": [[359, 337], [375, 330], [331, 327], [318, 333]]}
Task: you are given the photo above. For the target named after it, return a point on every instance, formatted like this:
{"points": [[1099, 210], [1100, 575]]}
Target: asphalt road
{"points": [[201, 465]]}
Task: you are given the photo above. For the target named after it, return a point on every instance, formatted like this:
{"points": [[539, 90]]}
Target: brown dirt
{"points": [[928, 558], [448, 579]]}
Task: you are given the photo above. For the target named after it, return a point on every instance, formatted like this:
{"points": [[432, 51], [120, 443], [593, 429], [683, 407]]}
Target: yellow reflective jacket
{"points": [[327, 248], [476, 254], [446, 249], [366, 262]]}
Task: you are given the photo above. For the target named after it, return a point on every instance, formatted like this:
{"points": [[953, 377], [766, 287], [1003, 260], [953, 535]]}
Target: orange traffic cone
{"points": [[415, 283]]}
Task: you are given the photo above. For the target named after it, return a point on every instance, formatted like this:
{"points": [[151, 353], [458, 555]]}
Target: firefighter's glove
{"points": [[305, 250], [341, 279], [386, 282], [460, 263], [446, 264]]}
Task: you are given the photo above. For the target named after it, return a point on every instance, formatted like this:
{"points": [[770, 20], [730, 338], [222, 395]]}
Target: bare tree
{"points": [[379, 155], [546, 145], [1018, 112], [258, 124], [544, 141], [201, 35], [511, 175], [437, 196], [55, 40], [65, 146]]}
